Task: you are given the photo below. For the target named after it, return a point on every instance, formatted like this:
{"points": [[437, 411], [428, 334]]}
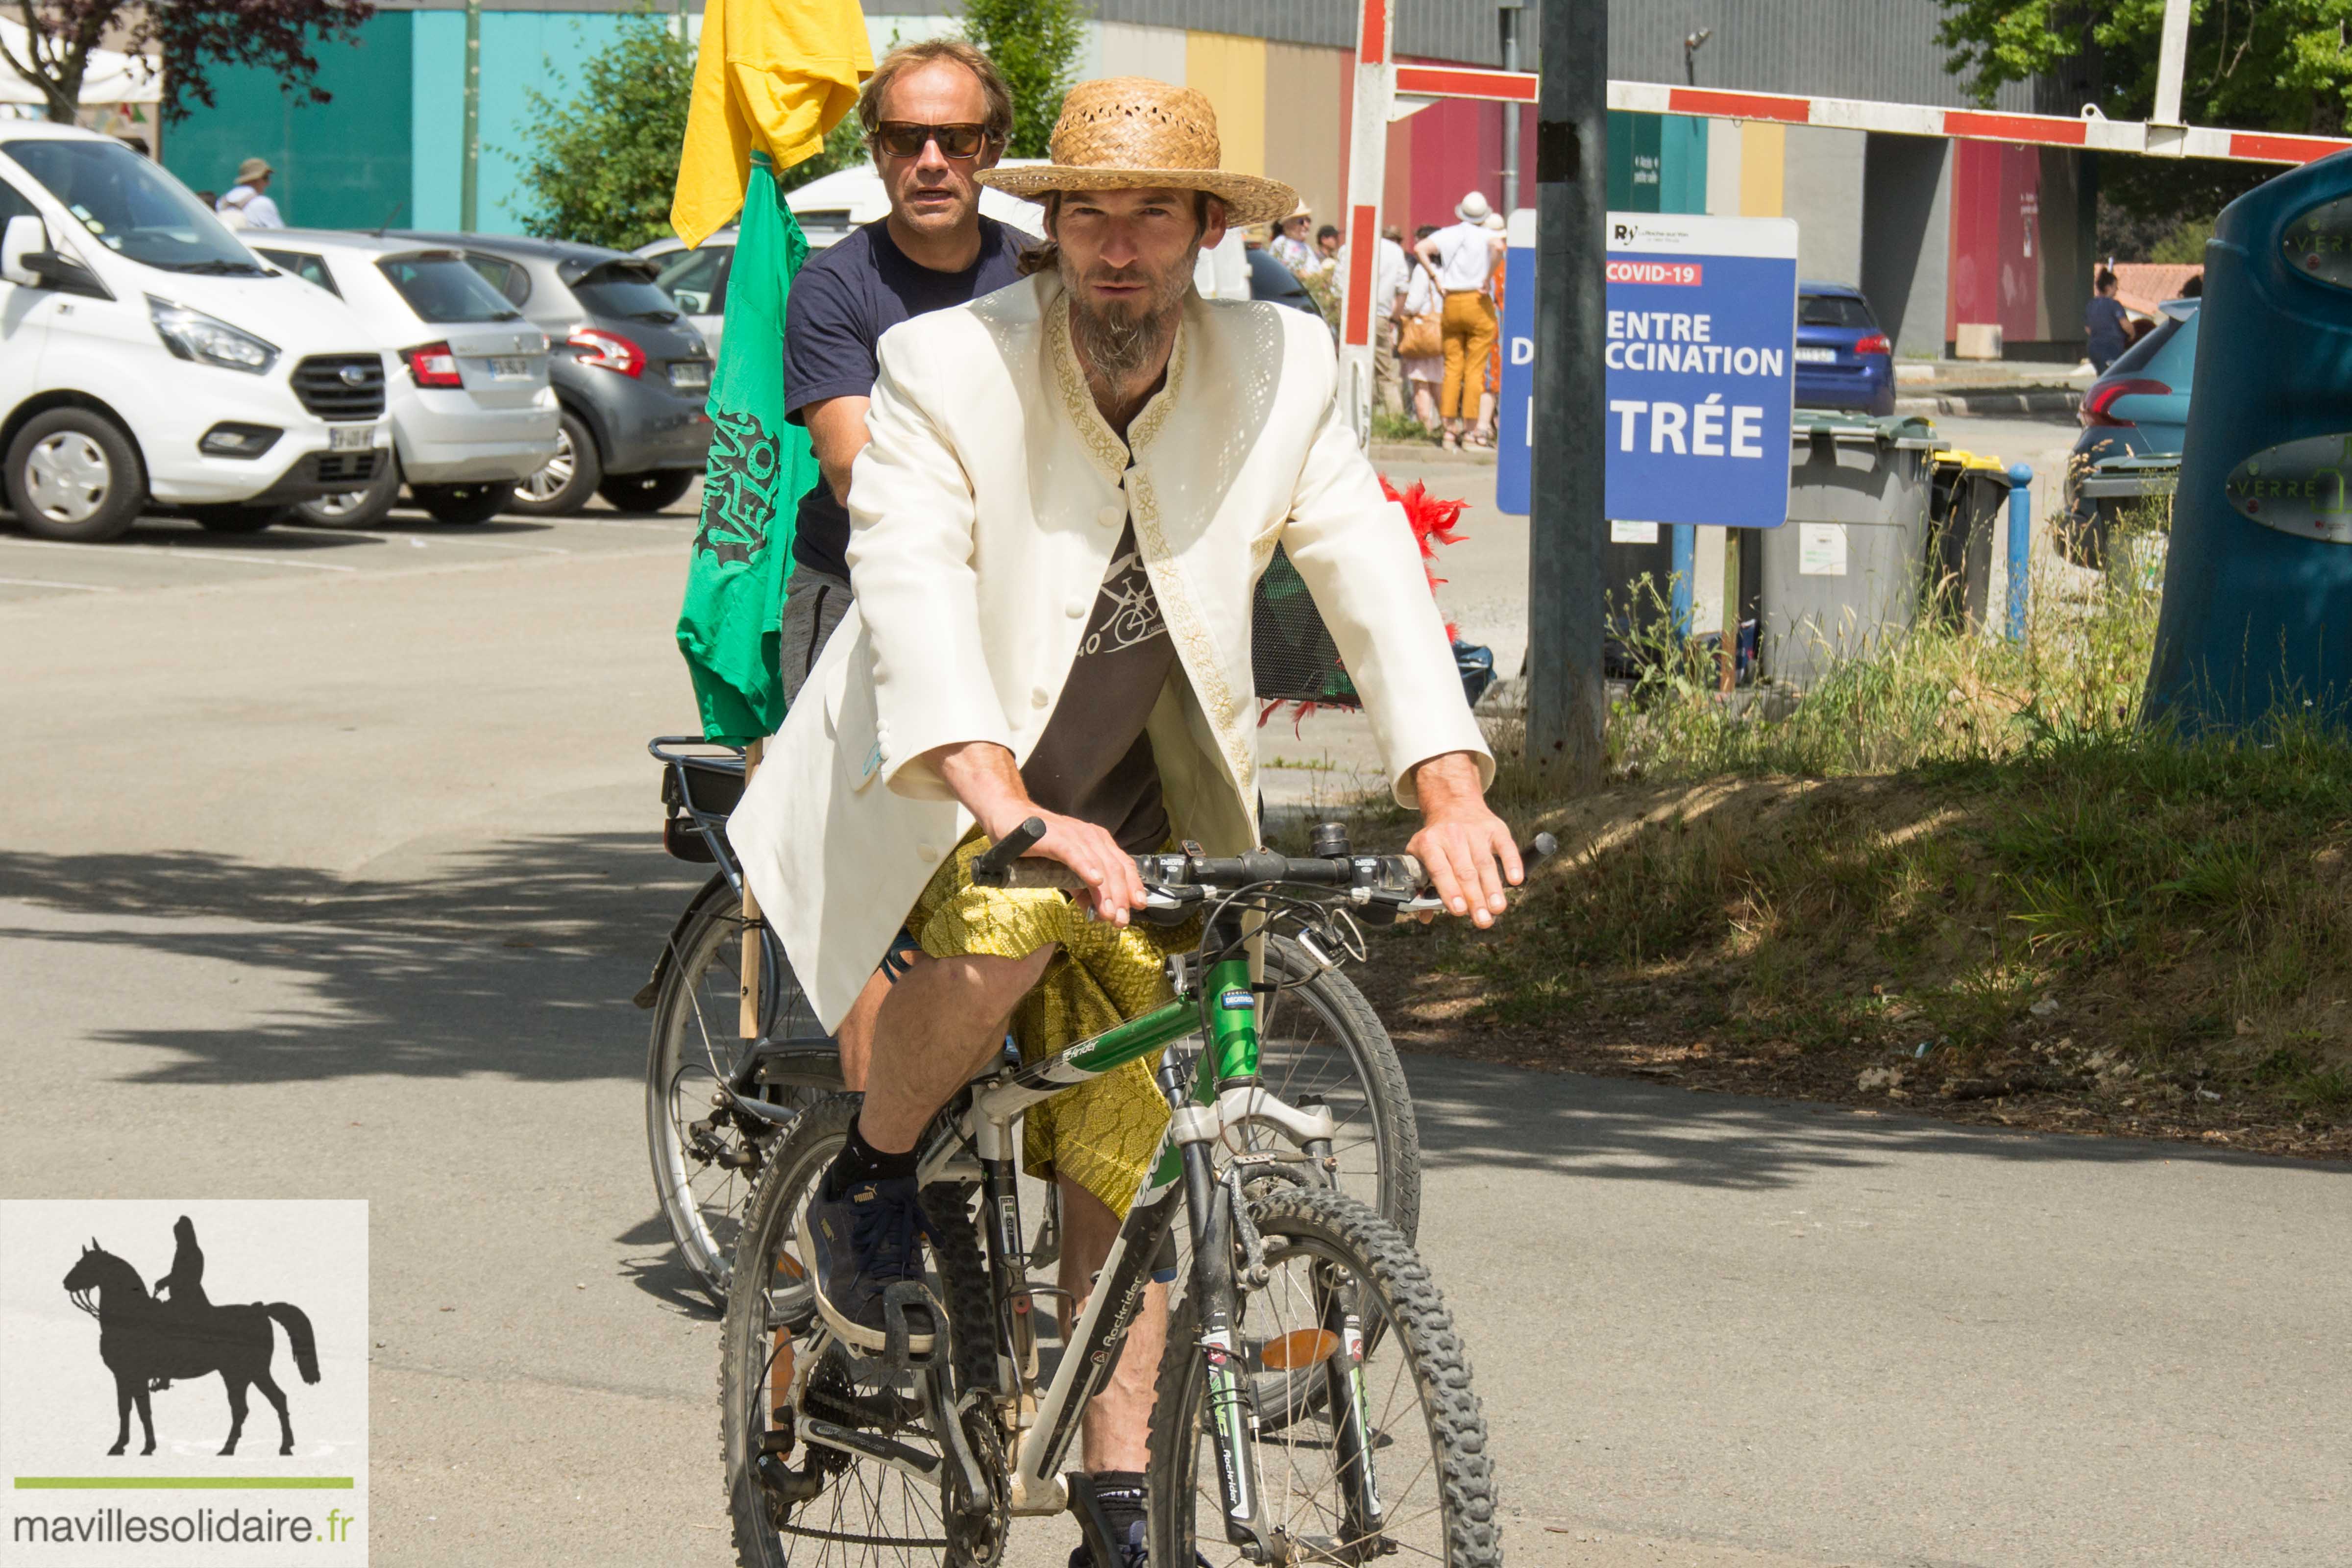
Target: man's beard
{"points": [[1119, 341]]}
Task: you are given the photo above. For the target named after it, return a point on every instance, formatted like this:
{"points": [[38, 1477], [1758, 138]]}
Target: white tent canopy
{"points": [[112, 77]]}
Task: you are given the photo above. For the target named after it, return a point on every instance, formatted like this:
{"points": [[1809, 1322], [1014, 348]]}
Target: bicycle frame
{"points": [[1224, 1093]]}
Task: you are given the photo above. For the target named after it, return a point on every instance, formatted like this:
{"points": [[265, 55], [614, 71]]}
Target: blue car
{"points": [[2133, 419], [1843, 360]]}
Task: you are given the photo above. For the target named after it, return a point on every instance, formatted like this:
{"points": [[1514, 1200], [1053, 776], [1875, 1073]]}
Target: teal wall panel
{"points": [[521, 50], [1682, 164], [1657, 163], [340, 164], [1634, 153]]}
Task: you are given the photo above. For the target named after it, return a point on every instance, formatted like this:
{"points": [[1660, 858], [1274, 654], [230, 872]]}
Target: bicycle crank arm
{"points": [[881, 1450]]}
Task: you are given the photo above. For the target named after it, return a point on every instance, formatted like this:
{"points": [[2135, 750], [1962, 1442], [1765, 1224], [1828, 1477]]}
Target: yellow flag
{"points": [[773, 76]]}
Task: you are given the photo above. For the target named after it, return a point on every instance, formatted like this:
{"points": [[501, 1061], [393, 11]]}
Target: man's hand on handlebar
{"points": [[1466, 849], [984, 777]]}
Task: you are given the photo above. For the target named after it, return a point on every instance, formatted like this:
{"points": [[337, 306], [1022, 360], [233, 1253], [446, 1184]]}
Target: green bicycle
{"points": [[1314, 1404]]}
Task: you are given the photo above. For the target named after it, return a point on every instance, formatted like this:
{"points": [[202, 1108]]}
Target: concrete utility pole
{"points": [[1510, 12], [469, 173], [1566, 698]]}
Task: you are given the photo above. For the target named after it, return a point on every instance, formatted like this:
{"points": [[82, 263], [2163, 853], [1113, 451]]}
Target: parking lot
{"points": [[167, 553]]}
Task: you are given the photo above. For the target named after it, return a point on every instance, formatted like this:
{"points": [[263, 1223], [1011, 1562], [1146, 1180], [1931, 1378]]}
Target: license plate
{"points": [[690, 372], [351, 438], [509, 366], [1816, 356]]}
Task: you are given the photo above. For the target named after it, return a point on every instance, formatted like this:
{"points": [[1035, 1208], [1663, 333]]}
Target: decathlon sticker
{"points": [[2298, 488], [184, 1383], [1820, 550], [1235, 1000]]}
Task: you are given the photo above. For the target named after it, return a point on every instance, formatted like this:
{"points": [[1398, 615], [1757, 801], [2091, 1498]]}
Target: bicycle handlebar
{"points": [[1392, 878]]}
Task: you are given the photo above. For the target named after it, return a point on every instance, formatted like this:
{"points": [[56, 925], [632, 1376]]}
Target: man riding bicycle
{"points": [[1071, 488]]}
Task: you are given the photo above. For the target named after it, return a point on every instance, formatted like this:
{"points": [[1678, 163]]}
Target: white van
{"points": [[146, 355]]}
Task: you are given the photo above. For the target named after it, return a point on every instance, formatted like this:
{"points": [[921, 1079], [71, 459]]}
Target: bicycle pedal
{"points": [[898, 1299]]}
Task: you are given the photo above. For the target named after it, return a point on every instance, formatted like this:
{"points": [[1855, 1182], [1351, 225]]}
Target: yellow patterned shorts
{"points": [[1102, 1134]]}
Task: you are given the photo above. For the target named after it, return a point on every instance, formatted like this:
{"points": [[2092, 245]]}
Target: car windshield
{"points": [[132, 208], [440, 287], [626, 291], [1833, 310]]}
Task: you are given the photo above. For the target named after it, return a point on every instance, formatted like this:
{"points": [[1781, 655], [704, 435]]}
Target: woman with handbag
{"points": [[1420, 341]]}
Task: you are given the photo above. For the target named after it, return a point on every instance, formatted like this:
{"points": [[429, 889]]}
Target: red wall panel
{"points": [[1996, 264]]}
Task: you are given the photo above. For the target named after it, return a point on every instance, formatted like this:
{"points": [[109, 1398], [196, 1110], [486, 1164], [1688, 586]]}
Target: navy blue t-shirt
{"points": [[2107, 329], [843, 299]]}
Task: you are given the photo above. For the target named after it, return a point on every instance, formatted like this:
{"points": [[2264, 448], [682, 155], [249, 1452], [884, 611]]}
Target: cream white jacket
{"points": [[983, 515]]}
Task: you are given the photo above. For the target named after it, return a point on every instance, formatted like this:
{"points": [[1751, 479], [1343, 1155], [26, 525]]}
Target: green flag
{"points": [[759, 468]]}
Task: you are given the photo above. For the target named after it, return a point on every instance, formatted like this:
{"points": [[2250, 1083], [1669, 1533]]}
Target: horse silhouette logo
{"points": [[150, 1342]]}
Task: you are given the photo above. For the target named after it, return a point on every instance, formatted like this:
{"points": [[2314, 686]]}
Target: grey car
{"points": [[630, 371]]}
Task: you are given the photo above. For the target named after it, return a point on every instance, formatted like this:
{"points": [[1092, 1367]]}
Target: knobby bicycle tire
{"points": [[696, 1042], [799, 1156], [1448, 1498]]}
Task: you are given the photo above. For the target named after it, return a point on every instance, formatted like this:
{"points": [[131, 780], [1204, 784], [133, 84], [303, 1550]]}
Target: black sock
{"points": [[861, 1162], [1120, 1492]]}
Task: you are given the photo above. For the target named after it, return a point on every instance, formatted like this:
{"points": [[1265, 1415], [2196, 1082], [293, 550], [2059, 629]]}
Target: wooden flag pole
{"points": [[747, 1025]]}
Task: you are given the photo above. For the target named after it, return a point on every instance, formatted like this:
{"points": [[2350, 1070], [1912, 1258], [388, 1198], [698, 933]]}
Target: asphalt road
{"points": [[337, 882]]}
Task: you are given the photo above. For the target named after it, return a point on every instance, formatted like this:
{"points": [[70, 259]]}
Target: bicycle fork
{"points": [[1217, 1223]]}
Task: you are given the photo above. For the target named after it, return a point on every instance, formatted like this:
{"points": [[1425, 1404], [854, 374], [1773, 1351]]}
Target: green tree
{"points": [[603, 168], [1035, 44], [2254, 65], [2257, 65]]}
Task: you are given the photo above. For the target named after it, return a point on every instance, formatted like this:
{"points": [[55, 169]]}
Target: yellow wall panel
{"points": [[1231, 71], [1763, 151]]}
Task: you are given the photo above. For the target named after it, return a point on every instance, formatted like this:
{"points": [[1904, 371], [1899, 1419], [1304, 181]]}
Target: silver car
{"points": [[473, 413]]}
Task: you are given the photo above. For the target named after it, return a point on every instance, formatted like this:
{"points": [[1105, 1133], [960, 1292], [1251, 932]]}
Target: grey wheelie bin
{"points": [[1843, 575]]}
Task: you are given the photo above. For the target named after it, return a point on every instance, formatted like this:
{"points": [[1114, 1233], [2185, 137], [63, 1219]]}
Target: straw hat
{"points": [[1127, 134], [253, 169]]}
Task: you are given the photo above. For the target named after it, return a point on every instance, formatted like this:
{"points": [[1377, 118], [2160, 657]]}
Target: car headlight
{"points": [[208, 340]]}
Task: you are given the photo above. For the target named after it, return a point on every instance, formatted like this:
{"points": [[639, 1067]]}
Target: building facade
{"points": [[1936, 233]]}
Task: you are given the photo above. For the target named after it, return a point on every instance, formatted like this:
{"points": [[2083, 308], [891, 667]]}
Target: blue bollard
{"points": [[1685, 561], [2021, 547]]}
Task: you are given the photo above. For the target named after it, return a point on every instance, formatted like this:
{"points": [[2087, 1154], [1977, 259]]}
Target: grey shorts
{"points": [[815, 603]]}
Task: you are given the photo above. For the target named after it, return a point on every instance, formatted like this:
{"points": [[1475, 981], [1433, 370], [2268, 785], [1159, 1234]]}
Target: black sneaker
{"points": [[857, 1246]]}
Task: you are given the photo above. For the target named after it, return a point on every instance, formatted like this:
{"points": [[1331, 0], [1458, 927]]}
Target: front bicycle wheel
{"points": [[705, 1156], [1319, 1038], [784, 1376], [1390, 1460]]}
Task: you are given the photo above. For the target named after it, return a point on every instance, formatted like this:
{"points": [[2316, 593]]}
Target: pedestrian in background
{"points": [[2105, 325], [1289, 245], [247, 203], [1462, 257], [1490, 388], [1327, 247], [1392, 274], [1421, 338]]}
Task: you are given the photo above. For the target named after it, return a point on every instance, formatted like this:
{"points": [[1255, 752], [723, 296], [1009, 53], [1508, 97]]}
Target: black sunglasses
{"points": [[905, 139]]}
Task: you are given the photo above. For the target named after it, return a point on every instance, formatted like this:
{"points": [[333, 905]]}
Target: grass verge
{"points": [[1960, 875]]}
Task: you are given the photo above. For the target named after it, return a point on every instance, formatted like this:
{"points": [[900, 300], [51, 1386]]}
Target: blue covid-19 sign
{"points": [[1701, 332]]}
